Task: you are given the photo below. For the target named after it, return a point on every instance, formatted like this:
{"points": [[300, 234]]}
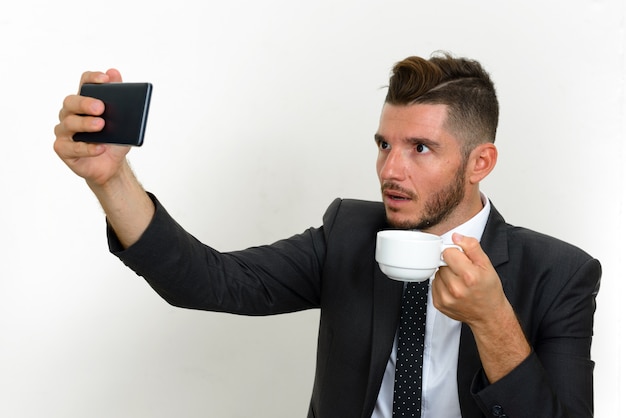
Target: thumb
{"points": [[114, 75], [472, 249]]}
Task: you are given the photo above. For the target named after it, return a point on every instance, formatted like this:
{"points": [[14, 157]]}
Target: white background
{"points": [[262, 113]]}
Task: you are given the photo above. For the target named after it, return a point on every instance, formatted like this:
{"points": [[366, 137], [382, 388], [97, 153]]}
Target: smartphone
{"points": [[125, 114]]}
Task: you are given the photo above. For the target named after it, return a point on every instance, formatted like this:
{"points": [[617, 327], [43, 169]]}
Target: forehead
{"points": [[414, 121]]}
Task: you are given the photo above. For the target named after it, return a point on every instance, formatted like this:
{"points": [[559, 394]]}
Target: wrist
{"points": [[126, 204], [501, 342], [500, 315], [115, 185]]}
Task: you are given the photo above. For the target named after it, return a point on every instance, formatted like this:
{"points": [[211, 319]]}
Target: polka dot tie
{"points": [[407, 392]]}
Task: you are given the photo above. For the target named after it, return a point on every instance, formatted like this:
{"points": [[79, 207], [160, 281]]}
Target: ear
{"points": [[481, 161]]}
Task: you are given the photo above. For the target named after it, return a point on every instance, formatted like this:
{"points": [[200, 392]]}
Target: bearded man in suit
{"points": [[509, 320]]}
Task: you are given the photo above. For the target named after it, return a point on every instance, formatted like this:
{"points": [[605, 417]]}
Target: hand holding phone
{"points": [[125, 114]]}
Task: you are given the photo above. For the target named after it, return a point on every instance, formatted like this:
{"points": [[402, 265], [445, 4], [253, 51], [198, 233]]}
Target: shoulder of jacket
{"points": [[355, 214]]}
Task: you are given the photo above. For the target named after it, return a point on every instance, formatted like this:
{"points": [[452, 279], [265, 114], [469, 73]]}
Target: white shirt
{"points": [[440, 397]]}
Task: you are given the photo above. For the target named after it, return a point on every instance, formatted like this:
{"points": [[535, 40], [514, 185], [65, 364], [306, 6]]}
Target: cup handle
{"points": [[445, 247]]}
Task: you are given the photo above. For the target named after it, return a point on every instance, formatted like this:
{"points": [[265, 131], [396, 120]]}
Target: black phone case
{"points": [[125, 114]]}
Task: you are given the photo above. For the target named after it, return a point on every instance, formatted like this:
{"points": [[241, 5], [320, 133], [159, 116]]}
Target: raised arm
{"points": [[104, 167]]}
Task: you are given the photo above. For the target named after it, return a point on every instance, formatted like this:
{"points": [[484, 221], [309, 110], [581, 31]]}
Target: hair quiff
{"points": [[459, 83]]}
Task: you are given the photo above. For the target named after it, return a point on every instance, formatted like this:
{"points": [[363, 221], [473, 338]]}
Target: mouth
{"points": [[393, 194]]}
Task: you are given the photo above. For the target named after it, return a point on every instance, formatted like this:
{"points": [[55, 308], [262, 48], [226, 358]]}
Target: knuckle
{"points": [[78, 148], [86, 77], [470, 280], [68, 100], [56, 146], [61, 129], [472, 243], [437, 304], [72, 105], [456, 291], [61, 148]]}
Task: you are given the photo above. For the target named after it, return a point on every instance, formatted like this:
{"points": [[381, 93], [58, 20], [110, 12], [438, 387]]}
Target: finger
{"points": [[456, 261], [472, 249], [96, 77], [78, 114], [452, 253], [68, 149], [446, 294], [114, 75], [71, 124], [80, 105], [439, 286]]}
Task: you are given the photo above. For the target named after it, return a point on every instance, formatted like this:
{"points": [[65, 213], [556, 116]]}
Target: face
{"points": [[420, 168]]}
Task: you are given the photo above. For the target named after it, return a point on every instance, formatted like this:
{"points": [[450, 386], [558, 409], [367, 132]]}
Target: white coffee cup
{"points": [[408, 255]]}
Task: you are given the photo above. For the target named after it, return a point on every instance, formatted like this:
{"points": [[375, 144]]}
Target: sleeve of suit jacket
{"points": [[282, 277], [187, 273], [552, 286]]}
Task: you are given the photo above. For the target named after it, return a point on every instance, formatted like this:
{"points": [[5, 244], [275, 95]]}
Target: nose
{"points": [[392, 166]]}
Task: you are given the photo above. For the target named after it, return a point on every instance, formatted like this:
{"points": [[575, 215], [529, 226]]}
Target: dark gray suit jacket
{"points": [[551, 285]]}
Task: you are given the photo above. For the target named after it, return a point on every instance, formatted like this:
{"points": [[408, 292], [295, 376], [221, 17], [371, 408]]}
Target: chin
{"points": [[395, 220], [401, 222]]}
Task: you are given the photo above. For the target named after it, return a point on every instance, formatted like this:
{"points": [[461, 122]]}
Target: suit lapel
{"points": [[495, 244], [495, 241]]}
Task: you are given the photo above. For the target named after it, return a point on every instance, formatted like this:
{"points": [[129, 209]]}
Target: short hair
{"points": [[461, 84]]}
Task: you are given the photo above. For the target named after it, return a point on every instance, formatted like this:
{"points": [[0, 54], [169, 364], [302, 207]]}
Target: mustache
{"points": [[391, 186]]}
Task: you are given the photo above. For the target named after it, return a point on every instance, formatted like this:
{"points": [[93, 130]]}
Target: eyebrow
{"points": [[412, 140]]}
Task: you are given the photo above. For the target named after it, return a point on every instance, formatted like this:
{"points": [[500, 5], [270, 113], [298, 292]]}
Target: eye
{"points": [[383, 145], [421, 148]]}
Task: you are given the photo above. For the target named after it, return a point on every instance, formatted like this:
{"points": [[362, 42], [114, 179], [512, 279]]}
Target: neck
{"points": [[466, 210]]}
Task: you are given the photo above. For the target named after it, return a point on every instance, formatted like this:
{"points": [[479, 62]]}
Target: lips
{"points": [[396, 196], [396, 193]]}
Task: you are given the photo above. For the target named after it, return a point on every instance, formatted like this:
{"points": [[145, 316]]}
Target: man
{"points": [[508, 323]]}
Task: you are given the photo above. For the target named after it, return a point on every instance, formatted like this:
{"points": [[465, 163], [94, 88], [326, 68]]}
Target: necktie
{"points": [[407, 393]]}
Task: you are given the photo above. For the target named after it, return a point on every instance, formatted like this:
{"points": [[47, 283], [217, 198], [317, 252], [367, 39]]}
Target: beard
{"points": [[438, 206]]}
